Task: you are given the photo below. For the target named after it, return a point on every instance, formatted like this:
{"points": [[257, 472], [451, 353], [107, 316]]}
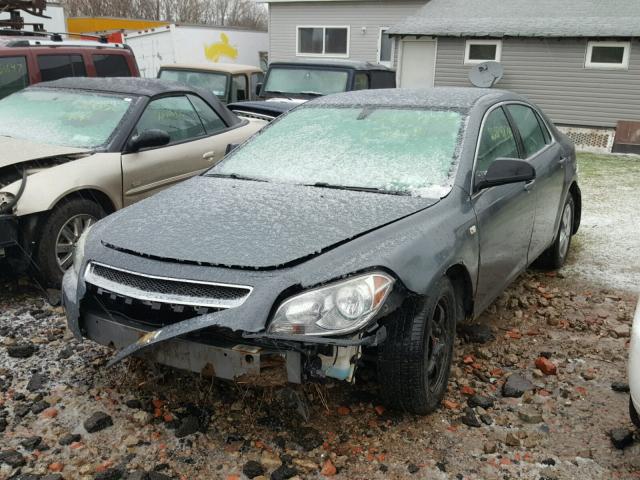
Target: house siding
{"points": [[285, 17], [551, 73]]}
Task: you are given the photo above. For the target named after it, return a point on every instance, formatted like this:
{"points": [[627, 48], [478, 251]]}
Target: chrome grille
{"points": [[165, 290]]}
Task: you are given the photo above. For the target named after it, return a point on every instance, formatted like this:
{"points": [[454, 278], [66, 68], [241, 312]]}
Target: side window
{"points": [[210, 119], [111, 65], [496, 141], [256, 78], [545, 130], [174, 115], [527, 124], [53, 67], [239, 88], [361, 81], [14, 75]]}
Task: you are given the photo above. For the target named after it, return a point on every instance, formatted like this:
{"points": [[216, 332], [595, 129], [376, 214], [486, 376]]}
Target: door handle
{"points": [[563, 160], [209, 156], [529, 185]]}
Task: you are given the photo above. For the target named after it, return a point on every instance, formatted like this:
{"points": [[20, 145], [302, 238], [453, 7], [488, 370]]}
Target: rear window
{"points": [[13, 75], [53, 67], [111, 66]]}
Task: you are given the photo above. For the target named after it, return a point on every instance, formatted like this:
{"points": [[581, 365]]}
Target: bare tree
{"points": [[234, 13]]}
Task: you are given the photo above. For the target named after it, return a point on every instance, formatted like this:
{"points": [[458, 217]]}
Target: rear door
{"points": [[546, 157], [505, 213], [198, 140]]}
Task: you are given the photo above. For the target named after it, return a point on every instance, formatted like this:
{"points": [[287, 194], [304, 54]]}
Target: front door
{"points": [[417, 64], [505, 213]]}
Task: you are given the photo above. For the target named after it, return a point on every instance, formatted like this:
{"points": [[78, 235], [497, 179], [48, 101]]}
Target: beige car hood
{"points": [[14, 151]]}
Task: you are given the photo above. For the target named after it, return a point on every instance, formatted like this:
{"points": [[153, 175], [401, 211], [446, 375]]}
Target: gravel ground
{"points": [[538, 391]]}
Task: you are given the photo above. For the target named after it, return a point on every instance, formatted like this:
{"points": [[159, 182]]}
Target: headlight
{"points": [[78, 252], [5, 199], [340, 308]]}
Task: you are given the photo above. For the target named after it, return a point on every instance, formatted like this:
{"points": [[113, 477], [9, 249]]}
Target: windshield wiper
{"points": [[355, 188], [235, 176], [314, 94]]}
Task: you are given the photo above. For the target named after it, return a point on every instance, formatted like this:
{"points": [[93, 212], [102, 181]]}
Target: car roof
{"points": [[218, 67], [136, 86], [437, 97], [334, 62], [25, 41]]}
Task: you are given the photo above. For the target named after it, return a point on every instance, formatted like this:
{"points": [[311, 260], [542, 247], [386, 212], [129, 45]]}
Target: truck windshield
{"points": [[309, 81], [63, 117], [410, 151], [213, 82]]}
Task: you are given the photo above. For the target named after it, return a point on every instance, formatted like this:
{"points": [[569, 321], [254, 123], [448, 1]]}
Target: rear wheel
{"points": [[60, 233], [555, 256], [415, 359]]}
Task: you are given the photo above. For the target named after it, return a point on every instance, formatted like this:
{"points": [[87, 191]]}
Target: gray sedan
{"points": [[361, 226]]}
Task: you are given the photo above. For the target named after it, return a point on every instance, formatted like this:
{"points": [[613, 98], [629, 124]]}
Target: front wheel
{"points": [[60, 233], [415, 359], [555, 256]]}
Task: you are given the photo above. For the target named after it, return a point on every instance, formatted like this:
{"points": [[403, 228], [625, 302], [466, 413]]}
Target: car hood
{"points": [[15, 151], [247, 224]]}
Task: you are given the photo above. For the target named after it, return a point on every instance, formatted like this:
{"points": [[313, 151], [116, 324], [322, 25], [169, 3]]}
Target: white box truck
{"points": [[197, 45]]}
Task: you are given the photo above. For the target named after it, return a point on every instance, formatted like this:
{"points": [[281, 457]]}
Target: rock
{"points": [[470, 419], [69, 438], [12, 458], [308, 438], [131, 441], [283, 472], [37, 382], [252, 469], [621, 437], [39, 407], [620, 387], [142, 417], [154, 475], [134, 403], [110, 474], [270, 460], [31, 443], [53, 476], [21, 409], [512, 440], [486, 419], [412, 468], [476, 333], [23, 350], [490, 447], [98, 421], [65, 353], [546, 366], [480, 401], [138, 475], [588, 374], [328, 468], [188, 426], [516, 385], [529, 415]]}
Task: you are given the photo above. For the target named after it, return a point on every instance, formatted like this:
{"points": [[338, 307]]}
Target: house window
{"points": [[607, 55], [478, 51], [329, 41], [385, 48]]}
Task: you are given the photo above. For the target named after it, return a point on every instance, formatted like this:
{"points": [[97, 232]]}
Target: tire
{"points": [[633, 414], [555, 256], [408, 377], [77, 212]]}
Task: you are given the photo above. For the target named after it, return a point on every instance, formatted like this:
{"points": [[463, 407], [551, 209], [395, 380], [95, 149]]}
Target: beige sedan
{"points": [[78, 149]]}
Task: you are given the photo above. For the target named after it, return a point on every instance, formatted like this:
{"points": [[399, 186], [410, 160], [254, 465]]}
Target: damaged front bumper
{"points": [[196, 345]]}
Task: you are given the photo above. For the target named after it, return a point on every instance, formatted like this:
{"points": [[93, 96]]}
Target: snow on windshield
{"points": [[311, 81], [61, 117], [405, 150]]}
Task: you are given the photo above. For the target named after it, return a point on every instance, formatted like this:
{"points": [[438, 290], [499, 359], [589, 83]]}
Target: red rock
{"points": [[167, 417], [50, 413], [328, 469], [467, 390], [515, 334], [56, 467], [468, 359], [450, 404], [342, 410], [233, 476], [546, 366], [104, 466], [379, 409], [76, 445]]}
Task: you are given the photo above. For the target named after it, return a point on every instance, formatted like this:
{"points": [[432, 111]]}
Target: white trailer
{"points": [[196, 45], [56, 22]]}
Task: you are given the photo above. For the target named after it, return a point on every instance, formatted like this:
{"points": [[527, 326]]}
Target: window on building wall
{"points": [[385, 48], [478, 51], [607, 55], [329, 41]]}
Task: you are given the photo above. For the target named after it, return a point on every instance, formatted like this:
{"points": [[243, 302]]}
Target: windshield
{"points": [[215, 83], [62, 117], [397, 150], [310, 81]]}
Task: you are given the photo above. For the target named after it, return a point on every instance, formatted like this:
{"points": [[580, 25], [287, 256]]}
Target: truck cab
{"points": [[229, 82], [288, 84]]}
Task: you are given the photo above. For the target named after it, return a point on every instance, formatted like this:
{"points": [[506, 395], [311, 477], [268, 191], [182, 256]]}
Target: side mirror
{"points": [[504, 171], [230, 148], [259, 89], [148, 139]]}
